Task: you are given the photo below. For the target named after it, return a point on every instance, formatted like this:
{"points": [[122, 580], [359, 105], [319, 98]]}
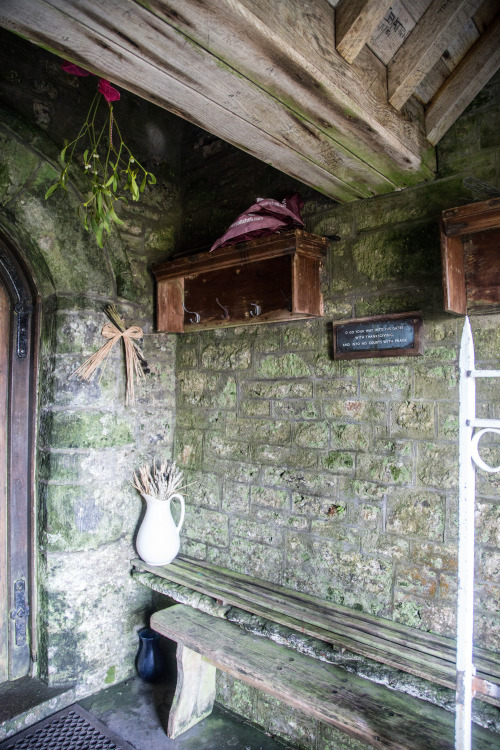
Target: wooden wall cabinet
{"points": [[470, 249], [274, 278]]}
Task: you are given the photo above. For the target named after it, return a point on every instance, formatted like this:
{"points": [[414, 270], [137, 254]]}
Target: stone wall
{"points": [[336, 478], [88, 442]]}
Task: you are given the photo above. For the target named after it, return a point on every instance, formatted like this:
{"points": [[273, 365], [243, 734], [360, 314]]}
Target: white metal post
{"points": [[468, 454]]}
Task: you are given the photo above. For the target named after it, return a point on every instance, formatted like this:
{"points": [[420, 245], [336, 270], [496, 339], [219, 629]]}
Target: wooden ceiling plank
{"points": [[328, 122], [424, 46], [478, 66], [355, 22], [293, 59], [62, 36]]}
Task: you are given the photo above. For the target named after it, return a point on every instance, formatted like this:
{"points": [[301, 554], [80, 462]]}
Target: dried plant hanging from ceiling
{"points": [[100, 150]]}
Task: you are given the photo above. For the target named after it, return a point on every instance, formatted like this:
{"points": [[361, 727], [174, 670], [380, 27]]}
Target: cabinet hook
{"points": [[256, 311], [226, 311], [196, 318]]}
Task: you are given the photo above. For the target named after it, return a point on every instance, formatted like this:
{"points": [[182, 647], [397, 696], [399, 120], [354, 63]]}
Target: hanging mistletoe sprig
{"points": [[110, 164]]}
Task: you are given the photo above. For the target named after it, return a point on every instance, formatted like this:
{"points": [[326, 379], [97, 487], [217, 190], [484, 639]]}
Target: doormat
{"points": [[70, 729]]}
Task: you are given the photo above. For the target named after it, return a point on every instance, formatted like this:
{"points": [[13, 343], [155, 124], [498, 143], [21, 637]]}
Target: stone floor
{"points": [[137, 711], [134, 710]]}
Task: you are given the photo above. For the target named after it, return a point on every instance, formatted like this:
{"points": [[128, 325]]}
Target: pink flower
{"points": [[75, 70], [108, 91]]}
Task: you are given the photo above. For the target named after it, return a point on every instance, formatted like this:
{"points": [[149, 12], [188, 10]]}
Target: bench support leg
{"points": [[194, 694]]}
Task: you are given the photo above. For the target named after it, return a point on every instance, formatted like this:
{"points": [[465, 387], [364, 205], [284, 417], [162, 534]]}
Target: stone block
{"points": [[442, 557], [255, 408], [283, 366], [413, 419], [205, 525], [230, 355], [296, 409], [202, 488], [250, 531], [331, 738], [217, 446], [437, 465], [311, 505], [392, 381], [385, 545], [286, 722], [361, 490], [337, 388], [16, 169], [448, 422], [276, 389], [155, 428], [188, 449], [236, 497], [341, 534], [416, 513], [289, 457], [487, 630], [89, 429], [80, 517], [339, 462], [236, 695], [487, 522], [187, 358], [417, 580], [270, 497], [438, 381], [235, 470], [312, 434], [258, 560], [355, 410], [307, 482], [58, 385], [303, 336], [350, 436], [273, 432], [395, 470]]}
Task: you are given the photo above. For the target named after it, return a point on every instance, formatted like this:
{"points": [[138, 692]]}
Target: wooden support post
{"points": [[194, 694]]}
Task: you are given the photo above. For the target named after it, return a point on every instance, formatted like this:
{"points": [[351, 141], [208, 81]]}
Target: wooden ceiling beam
{"points": [[473, 72], [424, 46], [355, 22], [273, 87], [291, 57]]}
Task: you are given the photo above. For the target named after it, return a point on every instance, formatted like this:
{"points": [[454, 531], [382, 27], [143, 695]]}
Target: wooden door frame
{"points": [[22, 533]]}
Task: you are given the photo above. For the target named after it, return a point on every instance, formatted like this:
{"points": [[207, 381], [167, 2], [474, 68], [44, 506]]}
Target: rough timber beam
{"points": [[477, 67], [271, 86], [355, 21], [424, 46]]}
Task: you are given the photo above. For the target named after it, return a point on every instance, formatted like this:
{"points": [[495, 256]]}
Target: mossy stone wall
{"points": [[88, 442], [339, 478]]}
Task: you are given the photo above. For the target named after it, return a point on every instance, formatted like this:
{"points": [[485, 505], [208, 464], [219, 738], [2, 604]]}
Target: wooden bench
{"points": [[367, 711]]}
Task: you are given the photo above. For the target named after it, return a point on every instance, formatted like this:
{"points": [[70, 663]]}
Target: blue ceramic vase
{"points": [[151, 664]]}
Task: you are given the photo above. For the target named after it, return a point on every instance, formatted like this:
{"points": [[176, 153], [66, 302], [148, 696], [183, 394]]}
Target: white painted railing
{"points": [[470, 433]]}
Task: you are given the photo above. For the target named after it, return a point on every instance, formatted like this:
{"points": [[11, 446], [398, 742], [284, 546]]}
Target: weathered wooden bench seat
{"points": [[369, 712], [359, 707]]}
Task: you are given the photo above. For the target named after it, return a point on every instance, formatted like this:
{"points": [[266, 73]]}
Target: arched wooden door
{"points": [[17, 400]]}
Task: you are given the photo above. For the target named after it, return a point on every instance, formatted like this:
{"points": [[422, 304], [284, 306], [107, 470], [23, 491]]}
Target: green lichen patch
{"points": [[70, 429]]}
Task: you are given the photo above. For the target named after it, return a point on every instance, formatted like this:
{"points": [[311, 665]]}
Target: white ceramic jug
{"points": [[158, 538]]}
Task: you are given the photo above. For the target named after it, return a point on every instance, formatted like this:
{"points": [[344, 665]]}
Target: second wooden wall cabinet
{"points": [[274, 278]]}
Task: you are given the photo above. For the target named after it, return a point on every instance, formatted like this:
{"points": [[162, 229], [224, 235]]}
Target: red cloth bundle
{"points": [[266, 216]]}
